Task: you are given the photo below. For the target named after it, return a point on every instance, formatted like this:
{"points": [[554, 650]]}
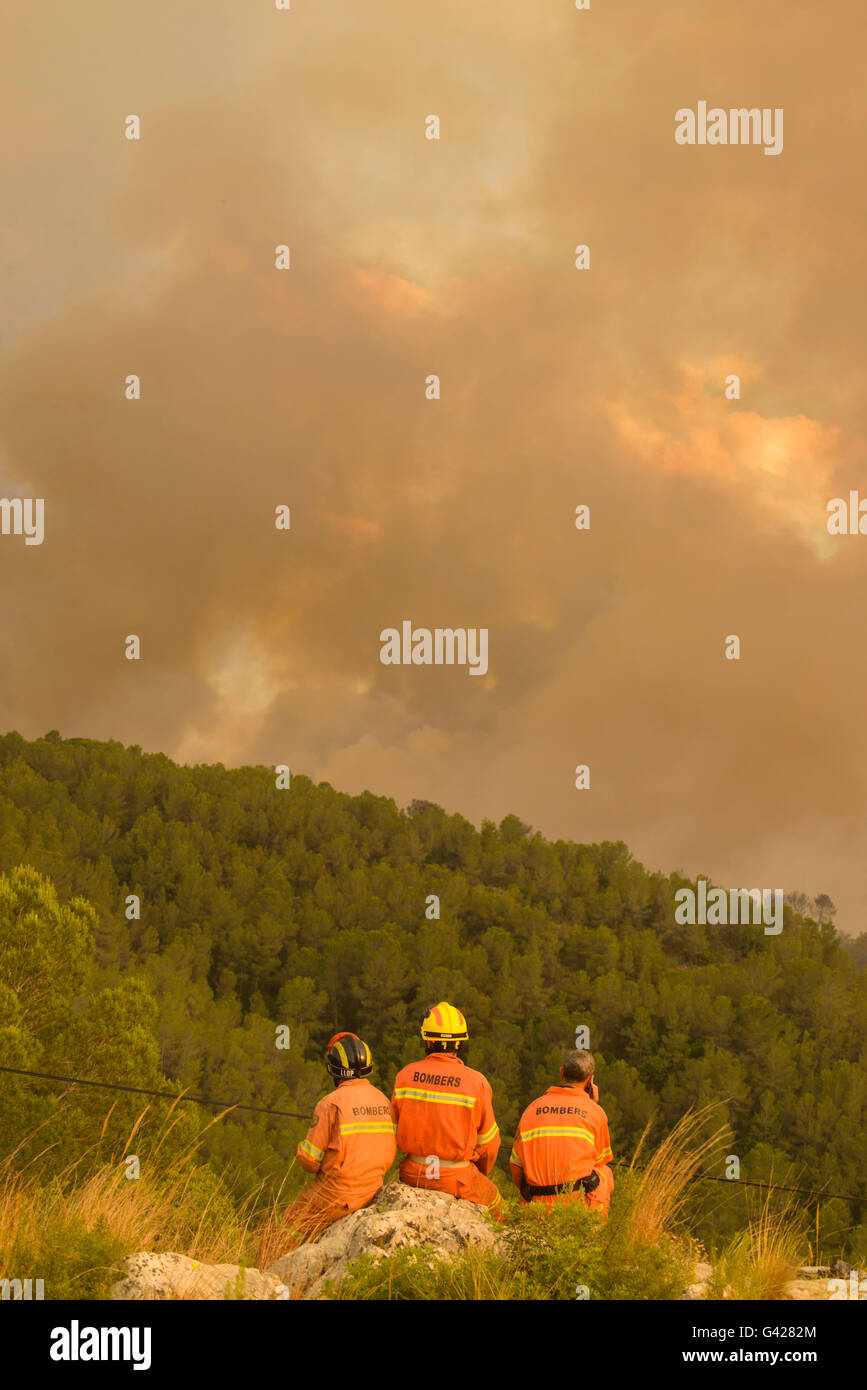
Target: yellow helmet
{"points": [[444, 1023]]}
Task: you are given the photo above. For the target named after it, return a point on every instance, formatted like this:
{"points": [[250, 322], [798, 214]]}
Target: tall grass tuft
{"points": [[759, 1262], [662, 1189]]}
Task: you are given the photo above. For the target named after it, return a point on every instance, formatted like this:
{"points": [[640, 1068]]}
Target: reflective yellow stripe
{"points": [[438, 1097], [369, 1127], [489, 1134], [606, 1153], [513, 1158], [555, 1132], [311, 1149]]}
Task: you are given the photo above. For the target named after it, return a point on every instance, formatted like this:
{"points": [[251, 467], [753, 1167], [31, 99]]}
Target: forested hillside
{"points": [[307, 908]]}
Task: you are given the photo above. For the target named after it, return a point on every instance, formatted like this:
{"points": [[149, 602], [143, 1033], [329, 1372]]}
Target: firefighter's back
{"points": [[436, 1101], [366, 1134], [559, 1137]]}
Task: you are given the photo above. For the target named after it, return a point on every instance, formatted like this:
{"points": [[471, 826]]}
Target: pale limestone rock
{"points": [[400, 1217], [150, 1277]]}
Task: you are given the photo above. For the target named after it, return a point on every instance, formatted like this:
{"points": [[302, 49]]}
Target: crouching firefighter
{"points": [[350, 1144], [562, 1149], [445, 1116]]}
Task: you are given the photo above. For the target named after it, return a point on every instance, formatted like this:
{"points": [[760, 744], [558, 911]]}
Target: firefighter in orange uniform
{"points": [[445, 1116], [350, 1144], [562, 1149]]}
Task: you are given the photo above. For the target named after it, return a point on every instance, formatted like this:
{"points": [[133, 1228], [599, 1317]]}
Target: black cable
{"points": [[162, 1095], [773, 1186]]}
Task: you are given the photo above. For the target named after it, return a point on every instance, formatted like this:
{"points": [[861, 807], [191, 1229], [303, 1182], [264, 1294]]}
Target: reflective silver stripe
{"points": [[443, 1162]]}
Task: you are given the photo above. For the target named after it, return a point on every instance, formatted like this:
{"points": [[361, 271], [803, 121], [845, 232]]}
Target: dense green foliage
{"points": [[306, 907]]}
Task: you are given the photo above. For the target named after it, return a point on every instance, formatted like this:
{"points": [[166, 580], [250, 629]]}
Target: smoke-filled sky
{"points": [[559, 387]]}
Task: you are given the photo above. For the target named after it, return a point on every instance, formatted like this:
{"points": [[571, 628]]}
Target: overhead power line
{"points": [[771, 1186], [161, 1095]]}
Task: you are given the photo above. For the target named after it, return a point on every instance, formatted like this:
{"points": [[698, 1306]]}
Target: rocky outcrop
{"points": [[169, 1276], [401, 1217]]}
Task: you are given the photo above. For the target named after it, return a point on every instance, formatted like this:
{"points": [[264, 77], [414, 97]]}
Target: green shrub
{"points": [[543, 1255], [73, 1261]]}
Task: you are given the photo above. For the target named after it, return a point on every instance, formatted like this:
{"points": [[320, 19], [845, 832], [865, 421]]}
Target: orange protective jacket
{"points": [[351, 1141], [561, 1136], [443, 1107]]}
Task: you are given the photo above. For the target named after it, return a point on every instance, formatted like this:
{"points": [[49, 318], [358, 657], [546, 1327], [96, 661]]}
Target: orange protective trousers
{"points": [[325, 1201]]}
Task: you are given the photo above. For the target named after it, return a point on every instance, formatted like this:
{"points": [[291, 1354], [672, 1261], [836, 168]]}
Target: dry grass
{"points": [[20, 1222], [759, 1262], [275, 1238], [664, 1184], [174, 1204]]}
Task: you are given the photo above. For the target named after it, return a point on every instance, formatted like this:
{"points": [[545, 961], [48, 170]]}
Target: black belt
{"points": [[529, 1189]]}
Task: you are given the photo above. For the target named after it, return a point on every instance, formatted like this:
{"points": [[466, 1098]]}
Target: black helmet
{"points": [[347, 1057]]}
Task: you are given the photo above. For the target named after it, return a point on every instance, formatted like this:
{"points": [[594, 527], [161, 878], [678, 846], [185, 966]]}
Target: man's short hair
{"points": [[578, 1066]]}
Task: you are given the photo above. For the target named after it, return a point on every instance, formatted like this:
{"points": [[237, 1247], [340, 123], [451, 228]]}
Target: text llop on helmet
{"points": [[347, 1056]]}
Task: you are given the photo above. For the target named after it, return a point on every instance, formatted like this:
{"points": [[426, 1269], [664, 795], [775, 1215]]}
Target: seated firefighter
{"points": [[350, 1144], [445, 1116], [562, 1149]]}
